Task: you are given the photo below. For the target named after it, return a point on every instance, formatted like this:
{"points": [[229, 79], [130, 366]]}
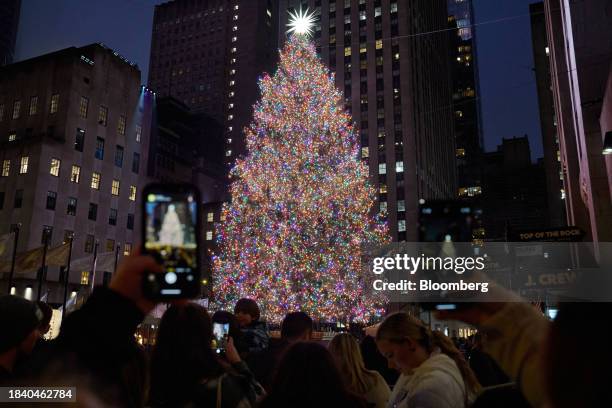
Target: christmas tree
{"points": [[301, 202]]}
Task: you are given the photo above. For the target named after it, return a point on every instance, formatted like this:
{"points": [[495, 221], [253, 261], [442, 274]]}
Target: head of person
{"points": [[347, 354], [306, 376], [182, 356], [296, 326], [47, 313], [407, 343], [19, 322], [246, 312]]}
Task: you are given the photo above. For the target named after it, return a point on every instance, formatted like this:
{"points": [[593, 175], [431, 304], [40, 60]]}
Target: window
{"points": [[138, 132], [99, 148], [399, 167], [16, 109], [130, 221], [85, 276], [89, 243], [95, 180], [12, 136], [365, 152], [83, 105], [6, 168], [379, 44], [112, 217], [110, 245], [209, 235], [121, 125], [55, 167], [210, 217], [18, 198], [127, 248], [67, 236], [103, 115], [119, 156], [347, 51], [132, 195], [47, 234], [23, 169], [401, 225], [135, 163], [401, 206], [54, 103], [394, 10], [51, 200], [33, 105], [115, 187], [92, 213], [72, 206], [79, 140], [75, 173], [382, 168]]}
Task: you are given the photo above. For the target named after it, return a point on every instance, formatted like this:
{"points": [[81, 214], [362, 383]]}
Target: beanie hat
{"points": [[18, 318]]}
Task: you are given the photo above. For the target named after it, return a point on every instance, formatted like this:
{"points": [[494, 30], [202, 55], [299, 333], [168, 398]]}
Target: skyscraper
{"points": [[552, 159], [209, 54], [391, 60], [9, 22], [466, 102]]}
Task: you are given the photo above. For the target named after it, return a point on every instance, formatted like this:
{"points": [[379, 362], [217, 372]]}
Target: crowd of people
{"points": [[517, 359]]}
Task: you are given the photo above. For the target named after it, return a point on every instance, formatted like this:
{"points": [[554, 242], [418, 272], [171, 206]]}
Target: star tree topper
{"points": [[301, 22]]}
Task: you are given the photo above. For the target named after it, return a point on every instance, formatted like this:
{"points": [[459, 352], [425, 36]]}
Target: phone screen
{"points": [[170, 235], [220, 335]]}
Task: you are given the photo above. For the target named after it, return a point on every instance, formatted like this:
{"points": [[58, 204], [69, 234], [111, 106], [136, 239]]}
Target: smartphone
{"points": [[220, 336], [171, 235]]}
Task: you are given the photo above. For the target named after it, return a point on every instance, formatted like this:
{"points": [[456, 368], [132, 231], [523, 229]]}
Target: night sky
{"points": [[508, 92]]}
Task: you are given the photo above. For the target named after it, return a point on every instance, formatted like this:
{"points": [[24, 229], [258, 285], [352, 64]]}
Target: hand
{"points": [[128, 279], [231, 354]]}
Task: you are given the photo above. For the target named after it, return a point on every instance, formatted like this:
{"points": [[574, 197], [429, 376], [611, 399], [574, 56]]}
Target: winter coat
{"points": [[256, 336]]}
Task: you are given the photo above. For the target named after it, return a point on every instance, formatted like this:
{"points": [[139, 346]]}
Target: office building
{"points": [[397, 85], [209, 54], [579, 38], [552, 159], [74, 135]]}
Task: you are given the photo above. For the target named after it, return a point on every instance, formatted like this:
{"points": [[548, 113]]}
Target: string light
{"points": [[301, 203]]}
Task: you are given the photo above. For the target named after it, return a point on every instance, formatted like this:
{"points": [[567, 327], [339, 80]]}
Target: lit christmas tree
{"points": [[301, 202]]}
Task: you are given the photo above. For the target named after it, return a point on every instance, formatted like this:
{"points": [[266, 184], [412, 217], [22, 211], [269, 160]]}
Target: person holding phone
{"points": [[187, 371]]}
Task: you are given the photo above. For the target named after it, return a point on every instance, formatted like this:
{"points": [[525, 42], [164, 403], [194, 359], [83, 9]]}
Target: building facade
{"points": [[550, 140], [579, 35], [466, 92], [9, 22], [397, 85], [74, 128], [209, 54]]}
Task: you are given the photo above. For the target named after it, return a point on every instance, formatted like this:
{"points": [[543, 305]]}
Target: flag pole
{"points": [[116, 257], [93, 267], [67, 276], [42, 275], [12, 273]]}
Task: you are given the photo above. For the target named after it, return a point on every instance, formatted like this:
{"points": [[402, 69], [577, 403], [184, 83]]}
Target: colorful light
{"points": [[301, 203]]}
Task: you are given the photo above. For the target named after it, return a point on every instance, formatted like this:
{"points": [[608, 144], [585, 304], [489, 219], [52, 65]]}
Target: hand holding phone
{"points": [[220, 337], [171, 235]]}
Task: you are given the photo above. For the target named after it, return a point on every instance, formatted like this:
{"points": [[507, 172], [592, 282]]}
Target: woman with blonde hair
{"points": [[434, 372], [370, 385]]}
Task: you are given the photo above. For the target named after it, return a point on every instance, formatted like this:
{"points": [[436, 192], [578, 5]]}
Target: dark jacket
{"points": [[256, 336], [263, 363]]}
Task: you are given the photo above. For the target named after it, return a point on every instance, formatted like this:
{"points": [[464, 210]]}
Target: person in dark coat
{"points": [[255, 332]]}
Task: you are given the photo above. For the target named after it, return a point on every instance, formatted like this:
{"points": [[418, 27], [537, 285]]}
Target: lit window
{"points": [[401, 205], [210, 217], [234, 28], [362, 48], [396, 56], [132, 196], [399, 167], [55, 167], [365, 152], [75, 173], [229, 140], [383, 189], [33, 105], [23, 169], [232, 72], [377, 11], [230, 117], [235, 17], [12, 137], [382, 168], [230, 128], [138, 132], [121, 125], [233, 61], [394, 10], [95, 180], [233, 50], [232, 82], [6, 168], [563, 194], [383, 206], [85, 277], [54, 103], [234, 39], [230, 106], [460, 152], [236, 7], [115, 187], [127, 248], [231, 94], [103, 115], [228, 153], [401, 226], [362, 16], [83, 105], [209, 235], [379, 44], [16, 109], [547, 50], [347, 51]]}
